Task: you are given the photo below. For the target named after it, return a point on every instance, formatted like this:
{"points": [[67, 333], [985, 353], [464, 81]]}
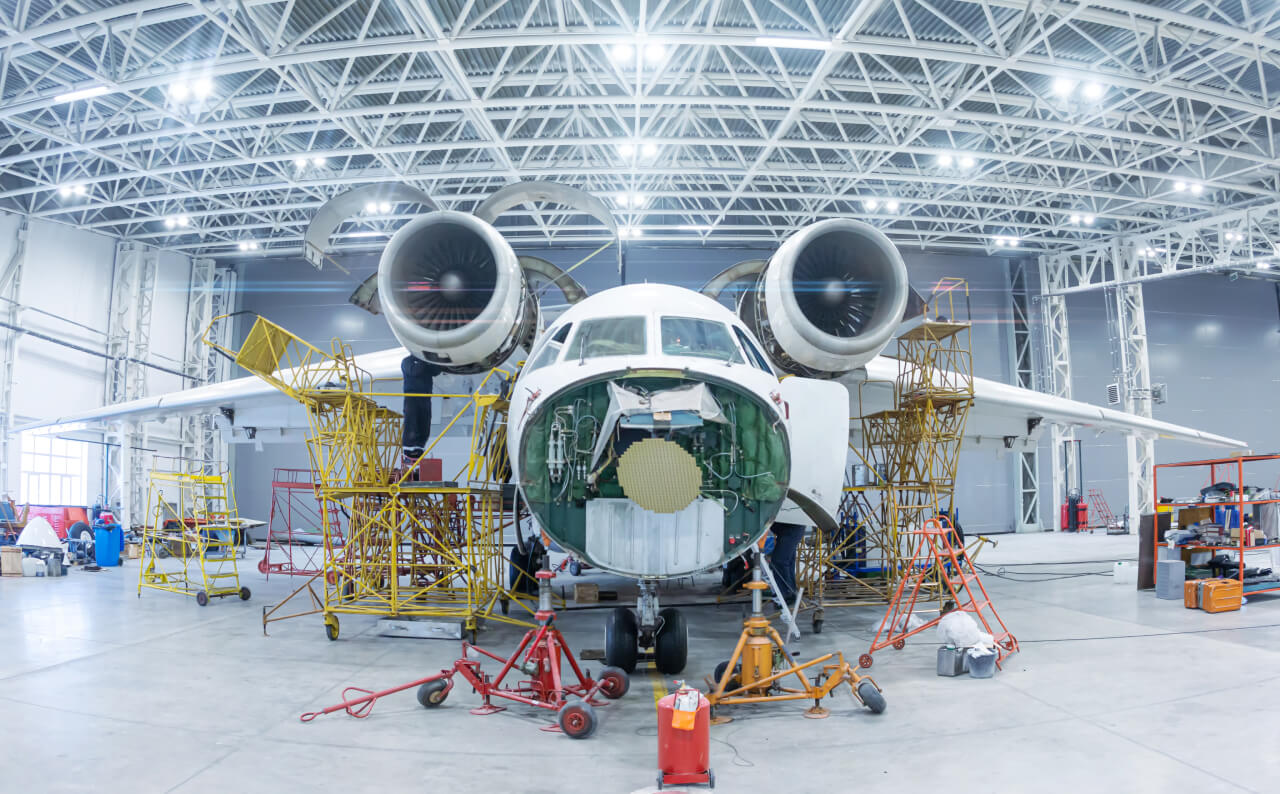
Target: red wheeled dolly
{"points": [[542, 656]]}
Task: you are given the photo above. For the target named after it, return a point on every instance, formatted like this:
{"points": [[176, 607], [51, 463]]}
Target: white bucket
{"points": [[1125, 573]]}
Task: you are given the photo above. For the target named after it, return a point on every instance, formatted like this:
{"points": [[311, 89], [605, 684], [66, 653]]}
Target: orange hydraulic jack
{"points": [[760, 663]]}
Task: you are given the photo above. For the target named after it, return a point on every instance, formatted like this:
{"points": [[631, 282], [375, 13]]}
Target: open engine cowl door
{"points": [[817, 416]]}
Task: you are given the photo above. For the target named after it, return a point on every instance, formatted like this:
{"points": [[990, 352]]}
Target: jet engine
{"points": [[830, 298], [454, 292]]}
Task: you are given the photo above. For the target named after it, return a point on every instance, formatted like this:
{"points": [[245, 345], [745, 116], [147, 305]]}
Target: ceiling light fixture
{"points": [[300, 163], [1063, 86], [944, 161], [248, 245], [385, 207], [1075, 220], [1094, 91], [871, 204], [1088, 220], [966, 161], [793, 43], [629, 232], [626, 150], [1179, 186], [622, 52], [1196, 188], [179, 91], [82, 93], [201, 88], [370, 207], [319, 162], [892, 205], [654, 52], [649, 150]]}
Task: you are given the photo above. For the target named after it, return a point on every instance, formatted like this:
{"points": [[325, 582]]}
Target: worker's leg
{"points": [[786, 539], [417, 426]]}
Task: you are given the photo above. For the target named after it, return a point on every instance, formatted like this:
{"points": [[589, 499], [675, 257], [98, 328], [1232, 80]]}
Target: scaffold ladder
{"points": [[936, 558]]}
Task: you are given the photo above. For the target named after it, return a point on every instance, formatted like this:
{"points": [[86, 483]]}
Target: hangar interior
{"points": [[1097, 181]]}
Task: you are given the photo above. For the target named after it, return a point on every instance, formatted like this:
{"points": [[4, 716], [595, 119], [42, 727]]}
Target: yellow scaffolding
{"points": [[193, 520], [911, 452], [412, 549]]}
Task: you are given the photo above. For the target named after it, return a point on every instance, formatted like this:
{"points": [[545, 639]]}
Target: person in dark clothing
{"points": [[786, 539], [418, 377]]}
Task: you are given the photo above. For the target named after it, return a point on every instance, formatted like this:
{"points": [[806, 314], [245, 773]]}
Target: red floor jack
{"points": [[541, 656]]}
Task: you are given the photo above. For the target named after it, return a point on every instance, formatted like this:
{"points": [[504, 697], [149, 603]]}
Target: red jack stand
{"points": [[541, 656]]}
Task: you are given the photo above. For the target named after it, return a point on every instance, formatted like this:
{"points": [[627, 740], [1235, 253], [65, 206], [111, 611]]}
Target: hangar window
{"points": [[54, 471], [608, 336], [550, 349], [687, 336]]}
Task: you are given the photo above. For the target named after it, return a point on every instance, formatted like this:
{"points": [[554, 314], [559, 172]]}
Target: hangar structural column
{"points": [[10, 286], [1026, 460], [128, 343], [1055, 376], [1132, 365], [209, 297]]}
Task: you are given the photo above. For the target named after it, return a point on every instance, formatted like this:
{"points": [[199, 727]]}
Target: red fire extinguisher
{"points": [[684, 739]]}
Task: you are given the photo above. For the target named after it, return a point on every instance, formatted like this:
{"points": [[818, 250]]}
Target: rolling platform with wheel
{"points": [[541, 673], [189, 546]]}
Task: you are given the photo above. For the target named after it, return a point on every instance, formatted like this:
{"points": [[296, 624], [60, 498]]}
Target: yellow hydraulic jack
{"points": [[760, 664]]}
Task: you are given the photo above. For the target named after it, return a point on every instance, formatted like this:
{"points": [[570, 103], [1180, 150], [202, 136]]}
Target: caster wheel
{"points": [[614, 682], [871, 697], [817, 625], [577, 719], [711, 779], [659, 785], [864, 661], [433, 693], [202, 598], [262, 566], [331, 627], [899, 644], [244, 594], [505, 605]]}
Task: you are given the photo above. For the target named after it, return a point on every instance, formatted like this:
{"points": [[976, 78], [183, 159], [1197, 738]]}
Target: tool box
{"points": [[1221, 595], [1191, 593]]}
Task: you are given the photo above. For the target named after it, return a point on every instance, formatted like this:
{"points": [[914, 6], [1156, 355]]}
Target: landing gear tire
{"points": [[577, 719], [614, 682], [871, 697], [432, 694], [671, 646], [620, 637]]}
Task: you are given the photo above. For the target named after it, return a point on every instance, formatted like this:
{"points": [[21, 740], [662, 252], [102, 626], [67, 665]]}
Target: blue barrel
{"points": [[107, 542]]}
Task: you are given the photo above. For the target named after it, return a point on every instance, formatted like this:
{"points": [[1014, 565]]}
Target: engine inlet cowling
{"points": [[830, 299], [453, 292]]}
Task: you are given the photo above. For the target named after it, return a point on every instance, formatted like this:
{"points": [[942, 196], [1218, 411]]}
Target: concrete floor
{"points": [[103, 691]]}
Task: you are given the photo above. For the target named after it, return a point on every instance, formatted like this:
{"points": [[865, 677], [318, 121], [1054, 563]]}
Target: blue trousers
{"points": [[786, 539]]}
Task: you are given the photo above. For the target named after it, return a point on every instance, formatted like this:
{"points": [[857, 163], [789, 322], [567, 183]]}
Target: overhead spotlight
{"points": [[243, 246], [654, 52], [1149, 252], [1063, 86], [624, 200], [871, 204], [1094, 91], [300, 163], [179, 91], [1179, 186], [79, 190], [999, 242], [253, 245], [1232, 237], [65, 191], [944, 161], [649, 150], [1264, 264], [622, 52], [1075, 220], [1196, 188], [201, 88], [629, 232], [892, 205], [169, 223], [182, 220], [1012, 242], [967, 161], [370, 207], [1088, 220], [384, 207], [319, 162], [626, 150], [1185, 151]]}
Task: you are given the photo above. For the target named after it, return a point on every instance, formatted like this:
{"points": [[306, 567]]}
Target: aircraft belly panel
{"points": [[624, 537]]}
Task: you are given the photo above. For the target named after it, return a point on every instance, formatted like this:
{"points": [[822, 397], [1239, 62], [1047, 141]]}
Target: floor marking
{"points": [[659, 686]]}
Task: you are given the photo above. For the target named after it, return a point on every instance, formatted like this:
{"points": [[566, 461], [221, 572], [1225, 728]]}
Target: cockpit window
{"points": [[550, 349], [752, 351], [687, 336], [608, 336]]}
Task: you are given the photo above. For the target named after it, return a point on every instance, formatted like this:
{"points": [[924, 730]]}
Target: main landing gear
{"points": [[665, 631]]}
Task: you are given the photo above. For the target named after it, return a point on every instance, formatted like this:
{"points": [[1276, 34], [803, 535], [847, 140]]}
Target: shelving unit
{"points": [[1220, 470]]}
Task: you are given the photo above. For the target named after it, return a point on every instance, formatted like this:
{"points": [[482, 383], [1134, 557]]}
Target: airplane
{"points": [[653, 432]]}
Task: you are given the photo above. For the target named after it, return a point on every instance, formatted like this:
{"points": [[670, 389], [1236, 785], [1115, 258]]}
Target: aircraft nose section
{"points": [[659, 475]]}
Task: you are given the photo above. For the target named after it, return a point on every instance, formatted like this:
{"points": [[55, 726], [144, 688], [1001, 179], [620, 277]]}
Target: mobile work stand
{"points": [[194, 522]]}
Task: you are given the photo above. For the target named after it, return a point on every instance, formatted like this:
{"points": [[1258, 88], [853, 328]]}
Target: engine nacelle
{"points": [[454, 293], [830, 299]]}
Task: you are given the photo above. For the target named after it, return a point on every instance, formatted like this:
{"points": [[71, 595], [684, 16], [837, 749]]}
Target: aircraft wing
{"points": [[1003, 411]]}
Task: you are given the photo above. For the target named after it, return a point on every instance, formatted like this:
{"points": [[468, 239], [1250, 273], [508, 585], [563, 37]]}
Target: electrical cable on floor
{"points": [[1152, 634], [1047, 576]]}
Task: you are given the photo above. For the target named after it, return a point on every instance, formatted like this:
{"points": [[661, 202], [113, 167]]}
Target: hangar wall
{"points": [[314, 305], [68, 272], [1215, 342]]}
